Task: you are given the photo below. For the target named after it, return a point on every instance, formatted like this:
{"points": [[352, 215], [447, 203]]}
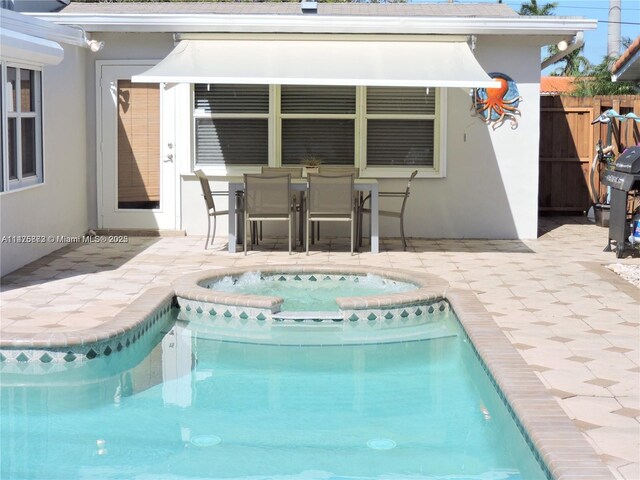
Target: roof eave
{"points": [[30, 25], [175, 23], [629, 70]]}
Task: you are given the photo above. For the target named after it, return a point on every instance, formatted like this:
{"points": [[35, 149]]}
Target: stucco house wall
{"points": [[59, 206], [491, 186], [489, 190]]}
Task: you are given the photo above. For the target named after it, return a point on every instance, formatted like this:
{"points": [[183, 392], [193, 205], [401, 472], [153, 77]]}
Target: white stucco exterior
{"points": [[490, 188], [60, 205]]}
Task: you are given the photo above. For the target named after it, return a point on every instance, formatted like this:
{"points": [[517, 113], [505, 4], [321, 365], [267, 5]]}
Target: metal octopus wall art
{"points": [[497, 105]]}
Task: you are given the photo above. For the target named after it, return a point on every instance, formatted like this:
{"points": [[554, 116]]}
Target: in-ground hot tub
{"points": [[283, 304]]}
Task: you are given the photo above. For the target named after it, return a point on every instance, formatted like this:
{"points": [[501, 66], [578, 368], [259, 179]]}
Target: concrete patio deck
{"points": [[576, 323]]}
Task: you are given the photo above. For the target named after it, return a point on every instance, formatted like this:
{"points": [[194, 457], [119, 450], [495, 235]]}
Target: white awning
{"points": [[27, 48], [321, 62]]}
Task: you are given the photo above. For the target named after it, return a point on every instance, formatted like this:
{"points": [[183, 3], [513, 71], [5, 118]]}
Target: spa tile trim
{"points": [[193, 287], [143, 316]]}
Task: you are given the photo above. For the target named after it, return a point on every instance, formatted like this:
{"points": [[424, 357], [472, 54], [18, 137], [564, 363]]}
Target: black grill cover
{"points": [[629, 161]]}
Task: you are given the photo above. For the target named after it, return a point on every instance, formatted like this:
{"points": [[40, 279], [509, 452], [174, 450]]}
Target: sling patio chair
{"points": [[296, 172], [332, 170], [210, 205], [387, 213], [268, 198], [330, 198], [338, 170]]}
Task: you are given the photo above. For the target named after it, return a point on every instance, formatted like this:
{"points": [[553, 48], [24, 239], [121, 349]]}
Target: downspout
{"points": [[576, 43]]}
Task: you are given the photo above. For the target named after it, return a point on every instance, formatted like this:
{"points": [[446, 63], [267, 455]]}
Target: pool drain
{"points": [[205, 440], [381, 444]]}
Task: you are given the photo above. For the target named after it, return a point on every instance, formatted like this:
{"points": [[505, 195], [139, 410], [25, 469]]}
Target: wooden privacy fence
{"points": [[567, 146]]}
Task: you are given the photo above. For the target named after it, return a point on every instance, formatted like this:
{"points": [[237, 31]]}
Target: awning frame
{"points": [[303, 59]]}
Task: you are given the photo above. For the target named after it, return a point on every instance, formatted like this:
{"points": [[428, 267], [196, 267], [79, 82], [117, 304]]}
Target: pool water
{"points": [[303, 295], [201, 408]]}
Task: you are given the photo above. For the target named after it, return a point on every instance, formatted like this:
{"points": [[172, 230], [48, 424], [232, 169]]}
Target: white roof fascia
{"points": [[630, 64], [175, 23], [35, 27]]}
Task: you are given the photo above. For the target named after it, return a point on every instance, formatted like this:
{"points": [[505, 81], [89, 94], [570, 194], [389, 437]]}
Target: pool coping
{"points": [[561, 446], [555, 439], [430, 286], [124, 322]]}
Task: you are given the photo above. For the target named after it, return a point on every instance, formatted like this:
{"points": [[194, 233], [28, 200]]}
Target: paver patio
{"points": [[575, 322]]}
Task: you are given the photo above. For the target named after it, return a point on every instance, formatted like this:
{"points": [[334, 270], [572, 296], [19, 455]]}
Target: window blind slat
{"points": [[400, 142], [225, 141], [318, 99], [332, 141], [399, 100], [218, 98]]}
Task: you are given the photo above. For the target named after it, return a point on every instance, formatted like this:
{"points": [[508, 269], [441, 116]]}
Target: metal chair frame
{"points": [[253, 215], [327, 214], [210, 205], [387, 213], [296, 172]]}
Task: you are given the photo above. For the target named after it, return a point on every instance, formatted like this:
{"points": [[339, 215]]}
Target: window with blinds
{"points": [[400, 127], [305, 99], [329, 140], [379, 127], [318, 121], [231, 124]]}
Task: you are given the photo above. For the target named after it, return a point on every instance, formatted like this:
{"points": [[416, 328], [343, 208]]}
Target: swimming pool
{"points": [[76, 396], [200, 408]]}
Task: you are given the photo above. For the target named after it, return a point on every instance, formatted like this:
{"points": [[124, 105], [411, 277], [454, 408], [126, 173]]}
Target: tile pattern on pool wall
{"points": [[18, 360], [242, 317]]}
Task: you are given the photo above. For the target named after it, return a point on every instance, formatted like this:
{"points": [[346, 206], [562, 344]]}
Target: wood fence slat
{"points": [[567, 147]]}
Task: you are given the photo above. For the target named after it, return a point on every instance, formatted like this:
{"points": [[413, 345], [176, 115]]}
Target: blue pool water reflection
{"points": [[201, 408]]}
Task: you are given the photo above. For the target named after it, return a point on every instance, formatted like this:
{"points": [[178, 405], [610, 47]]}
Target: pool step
{"points": [[307, 316]]}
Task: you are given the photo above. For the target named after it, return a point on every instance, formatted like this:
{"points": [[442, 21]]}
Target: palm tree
{"points": [[532, 8], [596, 80], [574, 63]]}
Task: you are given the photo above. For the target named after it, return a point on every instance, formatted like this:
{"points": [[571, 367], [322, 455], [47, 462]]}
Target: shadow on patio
{"points": [[76, 260]]}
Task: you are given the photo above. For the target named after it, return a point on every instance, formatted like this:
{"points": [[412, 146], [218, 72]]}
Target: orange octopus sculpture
{"points": [[496, 105]]}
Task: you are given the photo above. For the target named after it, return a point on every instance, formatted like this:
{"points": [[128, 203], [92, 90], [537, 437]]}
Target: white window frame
{"points": [[314, 116], [439, 140], [275, 117], [21, 181], [231, 170]]}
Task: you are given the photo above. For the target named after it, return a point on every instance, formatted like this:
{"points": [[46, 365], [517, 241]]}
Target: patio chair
{"points": [[267, 198], [332, 170], [296, 172], [387, 213], [338, 170], [330, 198], [210, 205]]}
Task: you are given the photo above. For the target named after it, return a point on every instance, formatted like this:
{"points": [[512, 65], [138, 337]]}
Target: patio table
{"points": [[370, 185]]}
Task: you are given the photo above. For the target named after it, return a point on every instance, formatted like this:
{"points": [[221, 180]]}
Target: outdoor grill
{"points": [[623, 179]]}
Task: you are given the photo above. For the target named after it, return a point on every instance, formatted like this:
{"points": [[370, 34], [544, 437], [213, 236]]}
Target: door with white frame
{"points": [[136, 150]]}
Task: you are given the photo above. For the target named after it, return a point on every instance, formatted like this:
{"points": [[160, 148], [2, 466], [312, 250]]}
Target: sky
{"points": [[595, 40]]}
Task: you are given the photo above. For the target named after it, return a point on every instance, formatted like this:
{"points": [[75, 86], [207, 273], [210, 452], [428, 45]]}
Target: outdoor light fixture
{"points": [[564, 49], [95, 45]]}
